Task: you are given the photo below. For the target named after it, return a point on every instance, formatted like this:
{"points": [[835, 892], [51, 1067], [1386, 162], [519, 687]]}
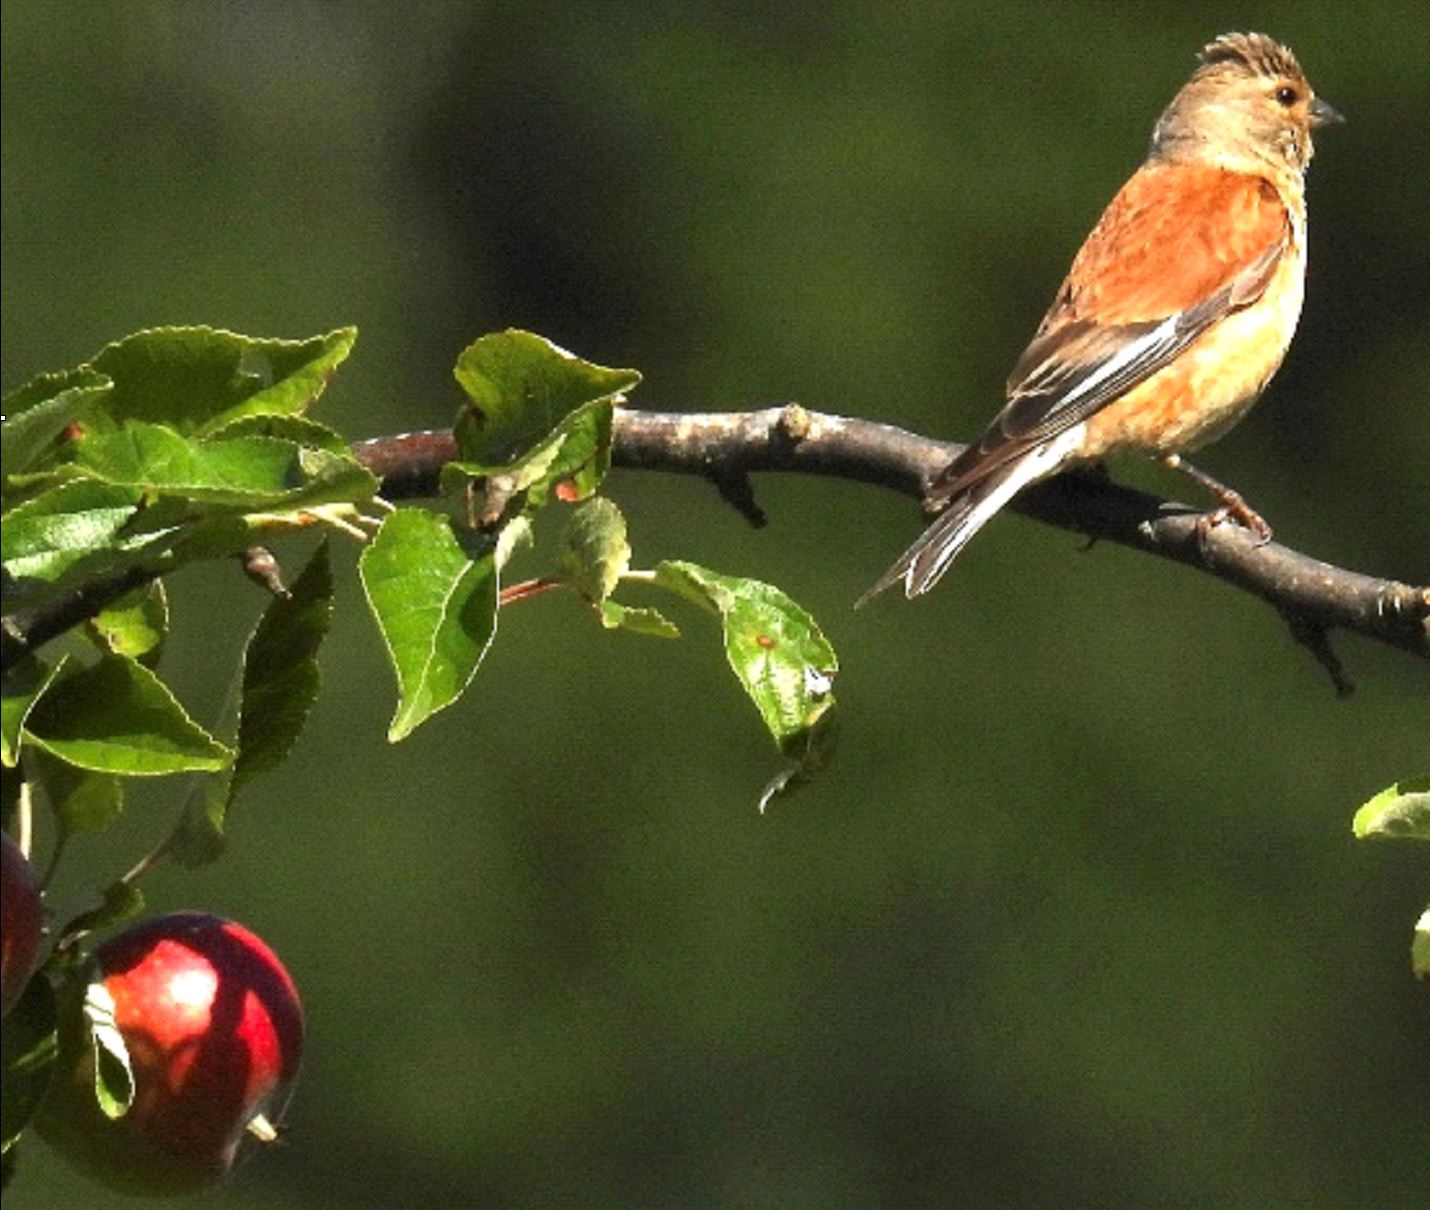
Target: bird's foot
{"points": [[1232, 504]]}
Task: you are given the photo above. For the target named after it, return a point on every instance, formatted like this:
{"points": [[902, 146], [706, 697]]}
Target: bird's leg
{"points": [[1232, 503]]}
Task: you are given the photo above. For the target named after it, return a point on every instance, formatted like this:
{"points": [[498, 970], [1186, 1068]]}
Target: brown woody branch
{"points": [[1314, 597]]}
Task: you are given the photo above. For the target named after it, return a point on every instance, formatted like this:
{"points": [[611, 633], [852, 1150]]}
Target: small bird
{"points": [[1176, 312]]}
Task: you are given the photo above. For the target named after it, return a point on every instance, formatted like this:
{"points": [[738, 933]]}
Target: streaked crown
{"points": [[1247, 107], [1254, 53]]}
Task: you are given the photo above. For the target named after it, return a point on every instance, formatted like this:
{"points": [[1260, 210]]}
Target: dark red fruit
{"points": [[22, 922], [214, 1031]]}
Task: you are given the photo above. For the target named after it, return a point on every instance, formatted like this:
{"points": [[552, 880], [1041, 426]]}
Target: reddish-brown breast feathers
{"points": [[1174, 235]]}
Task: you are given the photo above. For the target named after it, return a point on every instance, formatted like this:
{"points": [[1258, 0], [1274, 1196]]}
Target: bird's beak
{"points": [[1323, 114]]}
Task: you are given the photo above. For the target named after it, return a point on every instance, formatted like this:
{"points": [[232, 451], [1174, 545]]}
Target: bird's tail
{"points": [[924, 563]]}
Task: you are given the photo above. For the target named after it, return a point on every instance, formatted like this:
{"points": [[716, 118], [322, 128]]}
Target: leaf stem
{"points": [[529, 588], [148, 861]]}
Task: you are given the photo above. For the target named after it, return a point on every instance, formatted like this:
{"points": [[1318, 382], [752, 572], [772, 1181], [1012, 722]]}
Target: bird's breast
{"points": [[1212, 383]]}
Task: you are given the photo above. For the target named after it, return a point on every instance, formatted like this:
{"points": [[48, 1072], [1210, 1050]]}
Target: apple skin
{"points": [[22, 922], [214, 1030]]}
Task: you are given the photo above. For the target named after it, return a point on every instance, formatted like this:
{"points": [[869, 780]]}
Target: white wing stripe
{"points": [[1148, 347]]}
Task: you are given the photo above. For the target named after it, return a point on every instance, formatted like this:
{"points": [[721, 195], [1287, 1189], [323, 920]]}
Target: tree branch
{"points": [[1314, 597], [726, 447]]}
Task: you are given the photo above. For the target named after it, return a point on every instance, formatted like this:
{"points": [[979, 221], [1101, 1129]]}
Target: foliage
{"points": [[178, 446], [1402, 812]]}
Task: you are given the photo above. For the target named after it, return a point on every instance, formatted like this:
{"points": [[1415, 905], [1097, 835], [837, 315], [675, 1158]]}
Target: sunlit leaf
{"points": [[594, 550], [1399, 812], [113, 1073], [775, 648], [279, 684], [436, 608], [136, 624], [21, 689], [252, 472], [50, 533], [199, 378], [82, 800], [521, 387], [118, 717], [300, 430], [781, 659], [570, 462], [639, 619], [515, 535], [38, 412]]}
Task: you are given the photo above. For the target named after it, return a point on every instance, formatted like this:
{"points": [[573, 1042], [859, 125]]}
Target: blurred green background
{"points": [[1075, 917]]}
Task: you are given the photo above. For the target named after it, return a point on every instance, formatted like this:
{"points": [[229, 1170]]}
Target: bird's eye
{"points": [[1287, 95]]}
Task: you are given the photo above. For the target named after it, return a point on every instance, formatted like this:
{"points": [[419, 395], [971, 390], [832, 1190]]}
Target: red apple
{"points": [[22, 922], [214, 1031]]}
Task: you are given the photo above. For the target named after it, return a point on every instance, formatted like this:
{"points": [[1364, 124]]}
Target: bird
{"points": [[1175, 314]]}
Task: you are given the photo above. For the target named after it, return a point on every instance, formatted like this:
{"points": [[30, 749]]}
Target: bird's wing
{"points": [[1178, 248]]}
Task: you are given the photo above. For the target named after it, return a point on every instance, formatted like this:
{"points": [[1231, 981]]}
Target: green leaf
{"points": [[296, 429], [136, 624], [1420, 947], [521, 387], [251, 473], [113, 1074], [45, 388], [436, 609], [512, 537], [40, 411], [118, 717], [82, 801], [280, 670], [571, 461], [594, 556], [199, 378], [581, 455], [774, 647], [614, 616], [279, 685], [22, 688], [47, 535], [779, 656], [28, 1049], [198, 837], [1399, 812], [594, 551]]}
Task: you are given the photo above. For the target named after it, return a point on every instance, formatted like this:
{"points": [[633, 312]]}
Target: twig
{"points": [[790, 438], [520, 591], [1314, 639], [727, 446]]}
